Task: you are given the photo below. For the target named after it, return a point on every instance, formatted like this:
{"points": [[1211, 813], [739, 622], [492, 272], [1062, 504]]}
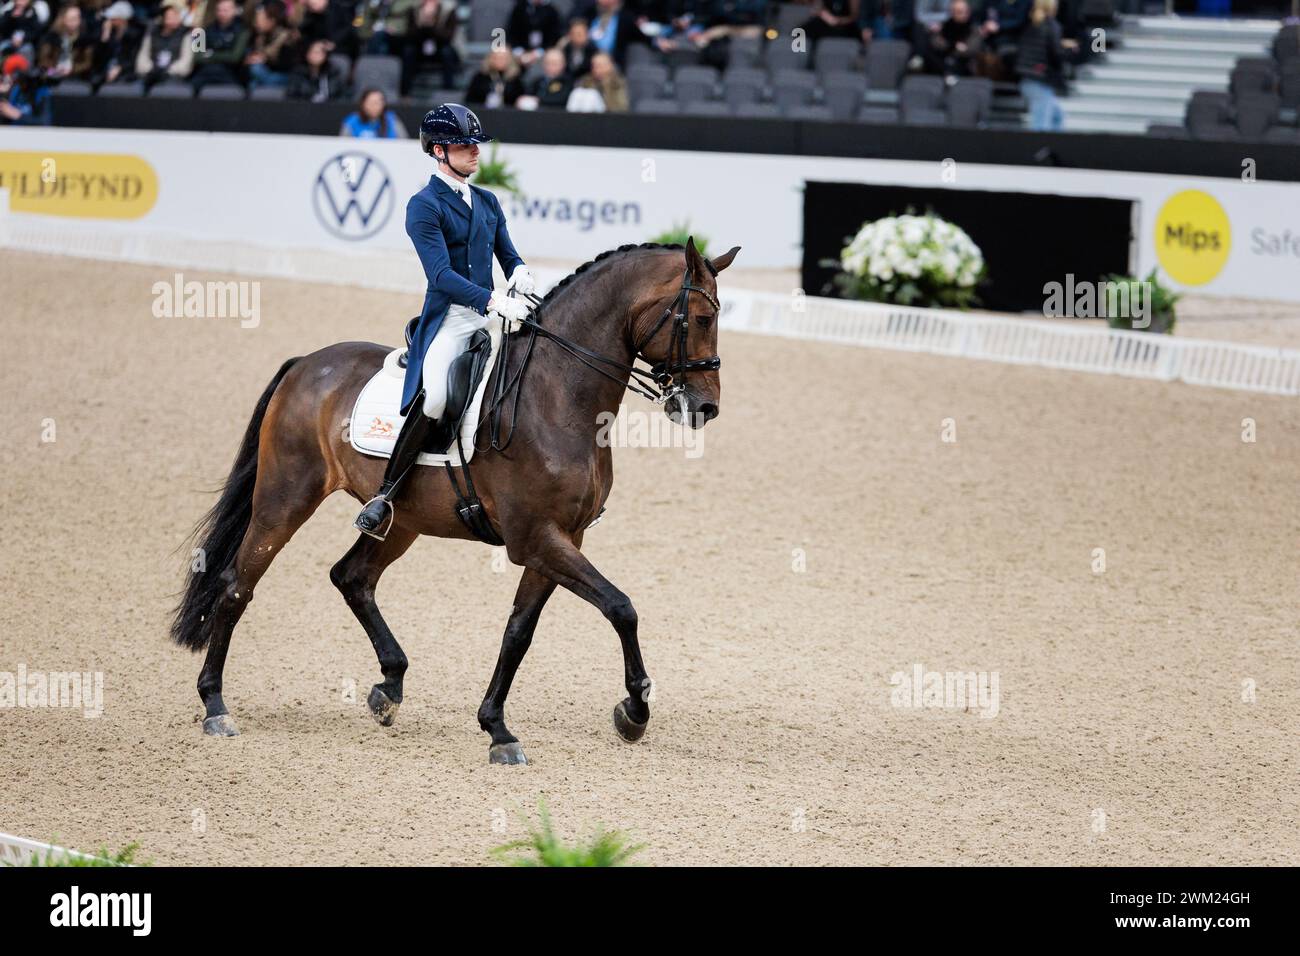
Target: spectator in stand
{"points": [[606, 80], [166, 52], [373, 119], [331, 21], [1041, 55], [550, 90], [533, 28], [65, 52], [21, 26], [271, 51], [431, 30], [888, 20], [317, 79], [832, 18], [577, 48], [384, 26], [1004, 20], [955, 44], [24, 95], [119, 41], [226, 41], [613, 28], [498, 83], [195, 13]]}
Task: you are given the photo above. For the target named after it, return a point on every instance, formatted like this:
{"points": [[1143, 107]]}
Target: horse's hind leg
{"points": [[355, 576], [530, 598], [273, 524]]}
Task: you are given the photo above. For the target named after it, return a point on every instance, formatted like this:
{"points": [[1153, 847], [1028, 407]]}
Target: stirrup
{"points": [[382, 533]]}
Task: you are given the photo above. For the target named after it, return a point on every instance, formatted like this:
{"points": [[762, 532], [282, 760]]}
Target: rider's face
{"points": [[463, 158]]}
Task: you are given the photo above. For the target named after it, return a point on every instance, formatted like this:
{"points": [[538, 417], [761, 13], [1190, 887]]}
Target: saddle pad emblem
{"points": [[377, 420]]}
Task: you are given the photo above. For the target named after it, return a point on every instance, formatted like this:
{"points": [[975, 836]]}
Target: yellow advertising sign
{"points": [[80, 185], [1193, 237]]}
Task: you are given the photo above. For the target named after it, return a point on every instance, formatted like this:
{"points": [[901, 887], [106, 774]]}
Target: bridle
{"points": [[661, 382]]}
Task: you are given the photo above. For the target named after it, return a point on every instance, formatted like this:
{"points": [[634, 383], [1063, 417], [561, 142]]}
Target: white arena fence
{"points": [[1063, 343], [15, 851]]}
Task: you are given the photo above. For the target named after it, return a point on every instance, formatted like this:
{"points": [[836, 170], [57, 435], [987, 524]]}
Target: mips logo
{"points": [[1193, 237], [353, 196]]}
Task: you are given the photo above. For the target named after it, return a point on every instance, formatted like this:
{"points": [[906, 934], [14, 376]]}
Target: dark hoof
{"points": [[222, 725], [507, 753], [627, 728], [382, 707]]}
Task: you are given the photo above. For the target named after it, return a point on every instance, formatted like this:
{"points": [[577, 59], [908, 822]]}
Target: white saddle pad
{"points": [[376, 421]]}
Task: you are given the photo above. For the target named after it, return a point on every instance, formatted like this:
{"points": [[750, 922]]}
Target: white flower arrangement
{"points": [[911, 260]]}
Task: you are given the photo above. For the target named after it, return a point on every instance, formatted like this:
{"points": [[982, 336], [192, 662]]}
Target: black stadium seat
{"points": [[172, 90], [378, 73], [691, 83], [843, 93], [122, 89]]}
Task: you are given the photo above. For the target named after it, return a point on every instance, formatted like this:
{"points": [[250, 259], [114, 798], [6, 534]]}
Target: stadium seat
{"points": [[836, 54], [921, 101], [878, 115], [1286, 44], [757, 111], [792, 88], [646, 81], [486, 16], [1288, 135], [886, 60], [122, 89], [379, 73], [843, 93], [691, 83], [677, 59], [780, 56], [745, 51], [706, 108], [172, 90], [1255, 114], [1209, 115], [1246, 80], [655, 106], [968, 102], [268, 93], [74, 88], [222, 91], [639, 53], [814, 111]]}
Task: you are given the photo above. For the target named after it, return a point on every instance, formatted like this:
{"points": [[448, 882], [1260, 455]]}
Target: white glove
{"points": [[521, 280], [512, 310]]}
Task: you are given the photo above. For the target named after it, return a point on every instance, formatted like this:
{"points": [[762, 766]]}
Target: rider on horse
{"points": [[456, 228]]}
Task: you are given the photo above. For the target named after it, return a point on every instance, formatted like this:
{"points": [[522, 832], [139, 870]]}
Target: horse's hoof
{"points": [[382, 707], [626, 727], [222, 725], [507, 753]]}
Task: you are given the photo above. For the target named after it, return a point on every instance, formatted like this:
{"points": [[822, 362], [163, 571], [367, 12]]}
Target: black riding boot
{"points": [[376, 517]]}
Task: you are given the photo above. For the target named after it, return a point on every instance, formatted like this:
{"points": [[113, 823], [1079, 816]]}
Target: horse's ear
{"points": [[724, 260]]}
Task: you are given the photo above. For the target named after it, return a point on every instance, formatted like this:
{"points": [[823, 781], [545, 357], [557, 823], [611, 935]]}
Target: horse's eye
{"points": [[704, 320]]}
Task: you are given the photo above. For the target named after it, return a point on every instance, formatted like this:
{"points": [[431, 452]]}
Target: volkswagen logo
{"points": [[353, 196]]}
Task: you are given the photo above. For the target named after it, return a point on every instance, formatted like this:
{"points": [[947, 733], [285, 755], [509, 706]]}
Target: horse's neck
{"points": [[579, 391]]}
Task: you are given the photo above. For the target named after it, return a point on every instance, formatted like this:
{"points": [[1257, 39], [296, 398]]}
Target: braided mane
{"points": [[608, 253]]}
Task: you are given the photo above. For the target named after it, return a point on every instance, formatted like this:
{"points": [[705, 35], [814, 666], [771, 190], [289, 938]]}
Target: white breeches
{"points": [[459, 324]]}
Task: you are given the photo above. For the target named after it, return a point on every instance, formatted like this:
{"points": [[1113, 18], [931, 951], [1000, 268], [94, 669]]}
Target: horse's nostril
{"points": [[708, 410]]}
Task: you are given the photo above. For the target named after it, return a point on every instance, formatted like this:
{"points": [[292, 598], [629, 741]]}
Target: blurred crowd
{"points": [[539, 58]]}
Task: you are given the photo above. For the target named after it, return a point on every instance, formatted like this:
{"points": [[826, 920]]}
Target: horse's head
{"points": [[683, 342]]}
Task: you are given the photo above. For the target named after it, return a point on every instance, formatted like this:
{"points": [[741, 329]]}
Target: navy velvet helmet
{"points": [[451, 125]]}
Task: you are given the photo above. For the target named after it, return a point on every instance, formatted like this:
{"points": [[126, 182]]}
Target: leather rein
{"points": [[661, 382]]}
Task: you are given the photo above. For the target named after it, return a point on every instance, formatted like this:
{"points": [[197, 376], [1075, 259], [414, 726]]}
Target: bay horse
{"points": [[540, 489]]}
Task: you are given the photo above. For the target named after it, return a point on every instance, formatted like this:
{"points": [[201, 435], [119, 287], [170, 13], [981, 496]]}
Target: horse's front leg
{"points": [[530, 597], [561, 561]]}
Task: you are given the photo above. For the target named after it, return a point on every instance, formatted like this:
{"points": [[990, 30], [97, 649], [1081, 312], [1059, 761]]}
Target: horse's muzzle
{"points": [[681, 409]]}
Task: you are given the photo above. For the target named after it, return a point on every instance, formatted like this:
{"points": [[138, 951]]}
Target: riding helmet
{"points": [[451, 125]]}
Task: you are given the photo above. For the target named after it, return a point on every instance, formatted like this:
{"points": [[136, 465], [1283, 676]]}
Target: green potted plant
{"points": [[1159, 299], [678, 235], [495, 174]]}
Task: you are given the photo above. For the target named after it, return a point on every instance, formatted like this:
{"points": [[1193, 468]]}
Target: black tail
{"points": [[220, 533]]}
